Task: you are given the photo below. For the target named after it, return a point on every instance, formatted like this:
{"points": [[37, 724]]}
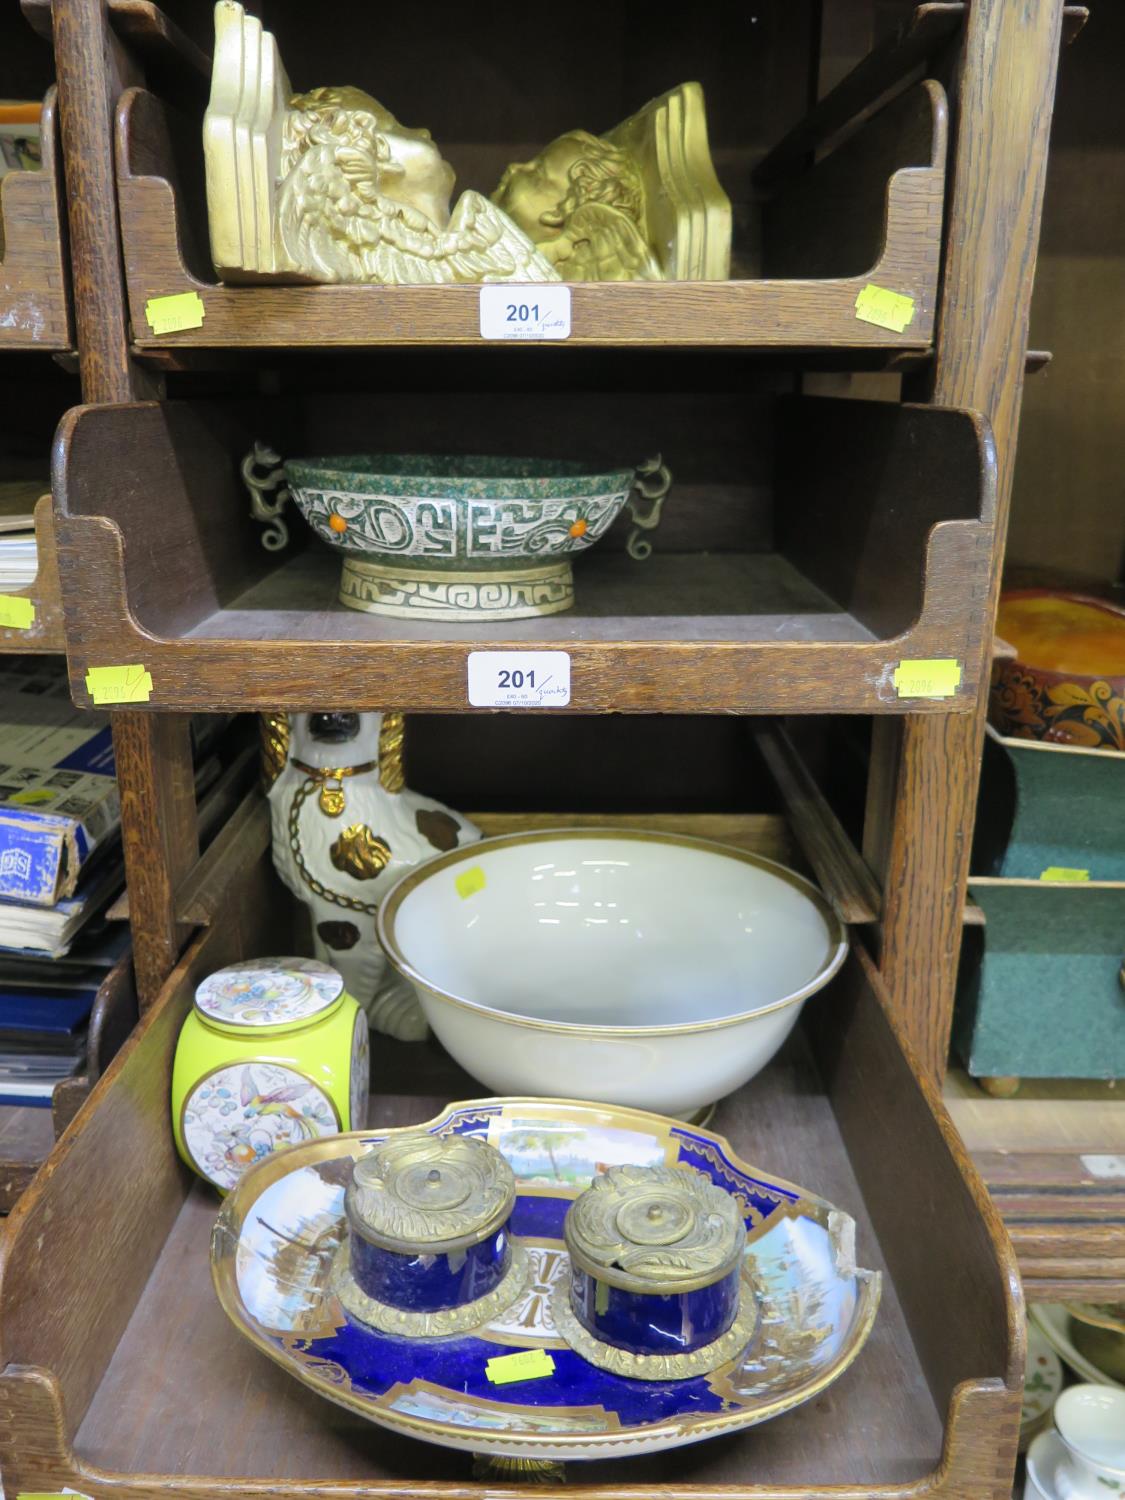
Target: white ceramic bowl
{"points": [[631, 968]]}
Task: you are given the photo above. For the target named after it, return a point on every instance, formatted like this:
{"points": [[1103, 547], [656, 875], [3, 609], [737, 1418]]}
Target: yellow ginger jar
{"points": [[273, 1054]]}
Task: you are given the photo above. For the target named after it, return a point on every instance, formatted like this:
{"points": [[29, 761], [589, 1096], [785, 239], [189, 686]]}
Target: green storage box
{"points": [[1040, 992], [1046, 806]]}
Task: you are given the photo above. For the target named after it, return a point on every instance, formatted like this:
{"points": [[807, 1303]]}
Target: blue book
{"points": [[34, 1010]]}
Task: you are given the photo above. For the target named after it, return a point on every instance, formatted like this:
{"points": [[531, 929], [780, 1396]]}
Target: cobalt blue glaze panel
{"points": [[654, 1325], [427, 1283]]}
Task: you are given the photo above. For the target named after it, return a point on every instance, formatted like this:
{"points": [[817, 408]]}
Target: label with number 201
{"points": [[525, 310], [519, 679]]}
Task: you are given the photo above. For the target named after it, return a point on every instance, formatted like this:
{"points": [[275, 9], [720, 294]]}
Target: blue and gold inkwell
{"points": [[656, 1289], [428, 1251]]}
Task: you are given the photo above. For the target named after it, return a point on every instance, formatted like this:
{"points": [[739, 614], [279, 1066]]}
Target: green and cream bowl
{"points": [[440, 537]]}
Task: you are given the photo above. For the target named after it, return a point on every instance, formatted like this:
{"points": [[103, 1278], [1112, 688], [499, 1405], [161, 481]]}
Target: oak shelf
{"points": [[34, 271], [873, 522], [85, 1404], [149, 33], [871, 211]]}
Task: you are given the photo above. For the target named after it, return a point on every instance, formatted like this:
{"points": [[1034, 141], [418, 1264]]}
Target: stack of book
{"points": [[19, 556], [60, 867], [45, 1008]]}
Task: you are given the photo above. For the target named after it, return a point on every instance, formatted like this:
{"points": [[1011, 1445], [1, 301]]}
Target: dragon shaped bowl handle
{"points": [[263, 474], [645, 504]]}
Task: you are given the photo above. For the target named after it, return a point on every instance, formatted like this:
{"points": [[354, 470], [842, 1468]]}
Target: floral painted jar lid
{"points": [[269, 995]]}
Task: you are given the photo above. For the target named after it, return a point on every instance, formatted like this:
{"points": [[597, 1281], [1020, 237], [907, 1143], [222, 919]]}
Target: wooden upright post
{"points": [[153, 753], [923, 797]]}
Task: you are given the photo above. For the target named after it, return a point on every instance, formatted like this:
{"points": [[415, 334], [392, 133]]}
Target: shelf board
{"points": [[782, 1120], [729, 597], [663, 635], [1053, 1158], [144, 28]]}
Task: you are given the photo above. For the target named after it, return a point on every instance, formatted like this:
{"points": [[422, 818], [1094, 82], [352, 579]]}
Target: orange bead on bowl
{"points": [[1067, 681], [579, 528], [337, 523]]}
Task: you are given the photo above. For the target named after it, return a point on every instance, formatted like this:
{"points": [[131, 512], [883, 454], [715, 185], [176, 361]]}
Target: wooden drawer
{"points": [[809, 545], [120, 1375], [810, 232]]}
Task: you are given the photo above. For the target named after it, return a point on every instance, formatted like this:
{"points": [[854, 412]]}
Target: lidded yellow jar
{"points": [[273, 1054]]}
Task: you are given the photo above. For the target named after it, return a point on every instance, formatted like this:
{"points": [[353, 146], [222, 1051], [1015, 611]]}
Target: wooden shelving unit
{"points": [[810, 547]]}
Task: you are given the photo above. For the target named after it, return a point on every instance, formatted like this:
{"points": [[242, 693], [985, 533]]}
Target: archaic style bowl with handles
{"points": [[436, 537], [634, 968]]}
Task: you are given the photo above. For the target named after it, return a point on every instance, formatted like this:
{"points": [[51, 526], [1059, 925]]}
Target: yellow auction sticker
{"points": [[1065, 873], [174, 314], [936, 677], [128, 684], [470, 882], [884, 308], [16, 613], [531, 1364]]}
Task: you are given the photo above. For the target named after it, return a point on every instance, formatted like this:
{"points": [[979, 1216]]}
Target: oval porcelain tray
{"points": [[271, 1261]]}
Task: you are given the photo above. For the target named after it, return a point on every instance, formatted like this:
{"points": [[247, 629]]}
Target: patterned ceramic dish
{"points": [[662, 971], [443, 538], [1067, 681], [1098, 1332], [1056, 1326], [1043, 1379], [273, 1249]]}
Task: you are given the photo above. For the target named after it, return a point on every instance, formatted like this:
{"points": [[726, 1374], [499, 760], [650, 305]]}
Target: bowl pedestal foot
{"points": [[485, 593], [487, 1466]]}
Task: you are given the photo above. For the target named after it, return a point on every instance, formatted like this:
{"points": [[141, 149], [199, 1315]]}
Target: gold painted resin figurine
{"points": [[329, 186], [642, 203]]}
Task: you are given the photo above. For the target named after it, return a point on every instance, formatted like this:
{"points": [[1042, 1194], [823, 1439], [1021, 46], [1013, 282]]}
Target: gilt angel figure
{"points": [[328, 186]]}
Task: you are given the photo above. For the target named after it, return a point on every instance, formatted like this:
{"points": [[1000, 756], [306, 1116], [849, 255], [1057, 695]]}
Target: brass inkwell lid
{"points": [[431, 1193], [658, 1231]]}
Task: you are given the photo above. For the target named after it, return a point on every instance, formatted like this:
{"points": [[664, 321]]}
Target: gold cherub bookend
{"points": [[328, 186], [641, 203]]}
